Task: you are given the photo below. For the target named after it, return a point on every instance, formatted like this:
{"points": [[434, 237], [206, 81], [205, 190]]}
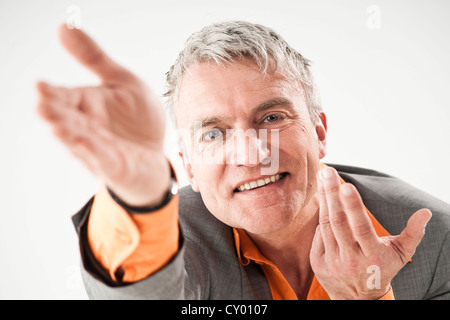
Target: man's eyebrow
{"points": [[210, 121], [279, 101]]}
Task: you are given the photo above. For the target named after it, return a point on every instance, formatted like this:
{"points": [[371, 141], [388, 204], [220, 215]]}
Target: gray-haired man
{"points": [[241, 96]]}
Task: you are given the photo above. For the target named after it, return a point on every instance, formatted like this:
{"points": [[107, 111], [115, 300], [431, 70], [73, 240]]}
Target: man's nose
{"points": [[248, 148]]}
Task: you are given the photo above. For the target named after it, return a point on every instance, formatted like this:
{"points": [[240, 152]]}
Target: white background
{"points": [[383, 72]]}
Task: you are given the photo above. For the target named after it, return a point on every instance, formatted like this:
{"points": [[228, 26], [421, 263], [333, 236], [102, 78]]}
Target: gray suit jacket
{"points": [[207, 266]]}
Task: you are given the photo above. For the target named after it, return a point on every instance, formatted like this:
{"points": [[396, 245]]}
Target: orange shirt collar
{"points": [[247, 251]]}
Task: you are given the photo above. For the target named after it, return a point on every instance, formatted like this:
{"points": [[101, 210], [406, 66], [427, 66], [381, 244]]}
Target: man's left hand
{"points": [[346, 248]]}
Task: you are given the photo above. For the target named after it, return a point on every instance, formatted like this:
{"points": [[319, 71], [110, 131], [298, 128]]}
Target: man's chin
{"points": [[265, 220]]}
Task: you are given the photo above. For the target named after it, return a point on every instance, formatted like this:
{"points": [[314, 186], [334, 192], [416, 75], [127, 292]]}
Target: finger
{"points": [[61, 96], [69, 96], [64, 120], [47, 111], [52, 110], [326, 231], [338, 217], [68, 123], [360, 224], [44, 89], [317, 247], [46, 97], [411, 236], [86, 100], [88, 53], [317, 250], [71, 128]]}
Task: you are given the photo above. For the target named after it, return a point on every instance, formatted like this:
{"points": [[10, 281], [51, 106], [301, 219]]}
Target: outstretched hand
{"points": [[116, 128], [346, 246]]}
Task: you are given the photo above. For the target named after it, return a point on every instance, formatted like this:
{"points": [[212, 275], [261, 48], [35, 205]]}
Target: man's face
{"points": [[245, 118]]}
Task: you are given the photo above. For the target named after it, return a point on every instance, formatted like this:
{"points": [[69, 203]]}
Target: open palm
{"points": [[116, 128]]}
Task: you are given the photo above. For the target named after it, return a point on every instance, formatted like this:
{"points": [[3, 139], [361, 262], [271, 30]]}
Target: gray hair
{"points": [[229, 41]]}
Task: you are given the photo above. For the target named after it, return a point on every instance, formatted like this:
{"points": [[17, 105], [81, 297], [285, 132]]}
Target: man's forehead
{"points": [[208, 90]]}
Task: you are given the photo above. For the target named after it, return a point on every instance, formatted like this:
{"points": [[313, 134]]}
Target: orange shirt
{"points": [[280, 288], [132, 247]]}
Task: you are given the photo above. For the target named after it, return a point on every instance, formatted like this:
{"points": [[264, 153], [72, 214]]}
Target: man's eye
{"points": [[211, 135], [272, 118]]}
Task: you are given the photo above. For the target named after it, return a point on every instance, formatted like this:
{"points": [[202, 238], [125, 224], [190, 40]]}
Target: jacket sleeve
{"points": [[440, 285], [128, 258]]}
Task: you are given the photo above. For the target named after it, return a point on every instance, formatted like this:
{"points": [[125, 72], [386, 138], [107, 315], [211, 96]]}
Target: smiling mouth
{"points": [[260, 182]]}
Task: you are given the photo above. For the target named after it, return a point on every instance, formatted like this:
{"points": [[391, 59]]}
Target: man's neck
{"points": [[289, 248]]}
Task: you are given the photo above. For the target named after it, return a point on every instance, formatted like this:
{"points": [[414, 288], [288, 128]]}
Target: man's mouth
{"points": [[260, 182]]}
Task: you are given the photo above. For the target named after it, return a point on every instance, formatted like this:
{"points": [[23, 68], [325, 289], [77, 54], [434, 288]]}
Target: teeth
{"points": [[259, 183]]}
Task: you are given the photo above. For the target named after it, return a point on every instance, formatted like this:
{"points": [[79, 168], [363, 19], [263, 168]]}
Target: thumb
{"points": [[88, 53], [411, 236]]}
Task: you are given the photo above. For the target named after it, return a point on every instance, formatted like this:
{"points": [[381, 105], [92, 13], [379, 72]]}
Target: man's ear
{"points": [[188, 169], [321, 130]]}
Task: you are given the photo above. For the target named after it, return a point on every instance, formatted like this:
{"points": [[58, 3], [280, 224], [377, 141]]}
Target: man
{"points": [[263, 218]]}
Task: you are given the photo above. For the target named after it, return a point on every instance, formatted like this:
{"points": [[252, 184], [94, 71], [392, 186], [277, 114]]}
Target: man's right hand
{"points": [[116, 129]]}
